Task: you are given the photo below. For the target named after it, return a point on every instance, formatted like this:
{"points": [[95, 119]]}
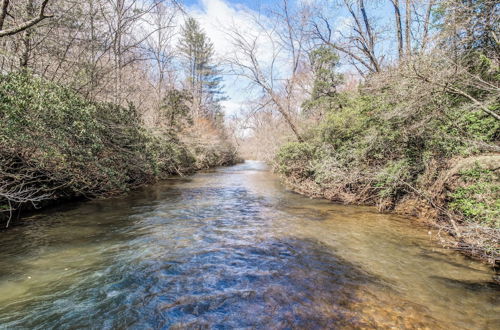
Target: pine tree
{"points": [[324, 63], [203, 76]]}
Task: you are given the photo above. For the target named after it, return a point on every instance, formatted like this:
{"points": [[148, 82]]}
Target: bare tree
{"points": [[4, 11], [399, 29], [358, 43], [427, 21], [99, 48], [277, 70], [122, 17], [408, 24], [456, 78], [160, 50]]}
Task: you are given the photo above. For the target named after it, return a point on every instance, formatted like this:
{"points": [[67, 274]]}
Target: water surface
{"points": [[231, 248]]}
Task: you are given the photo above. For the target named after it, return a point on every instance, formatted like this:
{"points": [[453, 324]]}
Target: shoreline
{"points": [[21, 213], [423, 217]]}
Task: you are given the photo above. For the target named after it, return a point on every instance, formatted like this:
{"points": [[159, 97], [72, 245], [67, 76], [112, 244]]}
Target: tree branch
{"points": [[3, 12], [26, 25], [457, 91]]}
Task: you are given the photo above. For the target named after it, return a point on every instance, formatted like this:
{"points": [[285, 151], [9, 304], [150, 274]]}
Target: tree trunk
{"points": [[371, 40], [25, 56], [426, 25], [284, 113], [25, 25], [399, 29], [3, 12], [118, 55], [408, 28]]}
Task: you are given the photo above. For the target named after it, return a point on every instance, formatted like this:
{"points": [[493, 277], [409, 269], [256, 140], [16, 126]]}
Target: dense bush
{"points": [[380, 151], [56, 144], [209, 144], [394, 140], [477, 196]]}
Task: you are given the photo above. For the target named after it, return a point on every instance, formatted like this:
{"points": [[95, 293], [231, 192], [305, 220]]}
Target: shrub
{"points": [[54, 144], [477, 198], [381, 139], [295, 159]]}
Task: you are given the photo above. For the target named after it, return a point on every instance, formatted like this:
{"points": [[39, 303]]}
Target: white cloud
{"points": [[307, 2], [232, 106], [217, 18]]}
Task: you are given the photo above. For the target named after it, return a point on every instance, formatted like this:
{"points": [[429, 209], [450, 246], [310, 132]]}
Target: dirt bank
{"points": [[434, 202]]}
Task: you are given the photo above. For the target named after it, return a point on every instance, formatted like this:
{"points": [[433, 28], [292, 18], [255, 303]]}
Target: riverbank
{"points": [[231, 248], [479, 242], [56, 145], [459, 201], [409, 148]]}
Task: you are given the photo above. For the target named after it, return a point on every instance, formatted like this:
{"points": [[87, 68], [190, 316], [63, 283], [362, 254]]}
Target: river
{"points": [[232, 248]]}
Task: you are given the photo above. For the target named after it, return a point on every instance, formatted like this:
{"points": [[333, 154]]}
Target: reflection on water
{"points": [[232, 248]]}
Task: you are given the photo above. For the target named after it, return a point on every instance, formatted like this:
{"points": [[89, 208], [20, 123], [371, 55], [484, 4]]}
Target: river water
{"points": [[232, 248]]}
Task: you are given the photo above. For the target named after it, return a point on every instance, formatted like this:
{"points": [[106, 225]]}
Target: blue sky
{"points": [[252, 4], [215, 16]]}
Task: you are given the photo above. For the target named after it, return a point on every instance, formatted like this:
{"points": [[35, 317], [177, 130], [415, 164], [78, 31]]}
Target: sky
{"points": [[214, 16], [251, 4]]}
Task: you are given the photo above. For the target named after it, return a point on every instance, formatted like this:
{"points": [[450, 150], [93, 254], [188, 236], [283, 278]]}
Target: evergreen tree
{"points": [[175, 109], [324, 63], [203, 76]]}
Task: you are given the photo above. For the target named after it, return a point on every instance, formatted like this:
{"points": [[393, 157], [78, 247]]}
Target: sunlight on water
{"points": [[233, 248]]}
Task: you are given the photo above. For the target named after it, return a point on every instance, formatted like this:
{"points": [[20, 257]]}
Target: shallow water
{"points": [[232, 248]]}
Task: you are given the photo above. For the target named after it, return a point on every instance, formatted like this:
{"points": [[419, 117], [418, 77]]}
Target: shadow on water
{"points": [[276, 284], [444, 258], [472, 286]]}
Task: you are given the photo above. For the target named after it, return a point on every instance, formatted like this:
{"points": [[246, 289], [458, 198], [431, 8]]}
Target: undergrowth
{"points": [[384, 142], [54, 144], [477, 198]]}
